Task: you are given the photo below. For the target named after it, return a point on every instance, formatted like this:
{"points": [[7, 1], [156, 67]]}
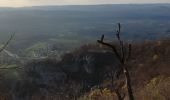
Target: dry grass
{"points": [[157, 89]]}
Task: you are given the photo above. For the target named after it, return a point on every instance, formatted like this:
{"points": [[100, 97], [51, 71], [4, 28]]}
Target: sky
{"points": [[22, 3]]}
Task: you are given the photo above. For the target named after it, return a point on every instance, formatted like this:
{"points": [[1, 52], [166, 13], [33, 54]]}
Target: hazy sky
{"points": [[20, 3]]}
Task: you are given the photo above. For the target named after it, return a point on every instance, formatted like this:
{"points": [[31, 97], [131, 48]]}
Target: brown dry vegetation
{"points": [[150, 60], [149, 69]]}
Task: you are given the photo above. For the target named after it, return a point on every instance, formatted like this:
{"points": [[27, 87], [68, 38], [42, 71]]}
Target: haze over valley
{"points": [[83, 23], [88, 51]]}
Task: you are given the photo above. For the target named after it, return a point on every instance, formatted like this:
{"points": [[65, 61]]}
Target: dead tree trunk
{"points": [[123, 58]]}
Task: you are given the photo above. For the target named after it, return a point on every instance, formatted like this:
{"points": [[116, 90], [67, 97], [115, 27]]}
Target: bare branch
{"points": [[122, 58], [6, 44], [121, 44], [102, 38], [111, 46]]}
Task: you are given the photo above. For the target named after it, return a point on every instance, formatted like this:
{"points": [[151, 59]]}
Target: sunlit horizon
{"points": [[29, 3]]}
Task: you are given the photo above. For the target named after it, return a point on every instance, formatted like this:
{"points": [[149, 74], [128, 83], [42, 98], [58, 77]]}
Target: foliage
{"points": [[157, 89], [150, 78], [100, 94]]}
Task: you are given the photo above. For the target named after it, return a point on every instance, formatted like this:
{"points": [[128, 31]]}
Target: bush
{"points": [[100, 94], [157, 89]]}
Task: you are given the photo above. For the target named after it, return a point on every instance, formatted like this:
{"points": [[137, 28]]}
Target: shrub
{"points": [[100, 94], [157, 89]]}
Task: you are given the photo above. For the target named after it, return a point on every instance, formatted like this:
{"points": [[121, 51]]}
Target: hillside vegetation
{"points": [[82, 75]]}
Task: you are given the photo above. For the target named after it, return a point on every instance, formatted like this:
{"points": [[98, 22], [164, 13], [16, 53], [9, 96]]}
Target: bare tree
{"points": [[6, 44], [3, 48], [123, 57]]}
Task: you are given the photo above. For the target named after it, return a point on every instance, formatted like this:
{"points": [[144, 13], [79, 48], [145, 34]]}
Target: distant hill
{"points": [[102, 7]]}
